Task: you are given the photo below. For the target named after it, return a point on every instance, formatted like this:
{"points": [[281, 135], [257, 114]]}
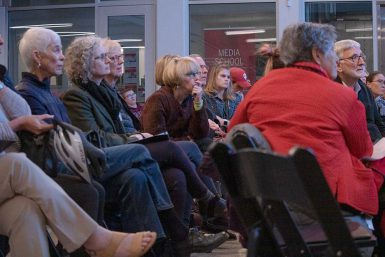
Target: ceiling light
{"points": [[359, 30], [258, 40], [52, 25], [73, 34], [368, 37], [129, 40], [244, 32], [133, 47], [229, 28]]}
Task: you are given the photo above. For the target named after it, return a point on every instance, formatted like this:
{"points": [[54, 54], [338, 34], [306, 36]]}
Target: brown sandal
{"points": [[135, 250]]}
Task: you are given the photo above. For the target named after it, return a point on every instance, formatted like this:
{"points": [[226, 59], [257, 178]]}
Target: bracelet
{"points": [[198, 105]]}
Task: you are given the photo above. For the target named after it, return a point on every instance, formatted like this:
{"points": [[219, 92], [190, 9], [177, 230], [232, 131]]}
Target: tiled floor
{"points": [[228, 249]]}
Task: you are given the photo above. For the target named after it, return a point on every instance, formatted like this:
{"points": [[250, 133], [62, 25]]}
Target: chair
{"points": [[272, 185]]}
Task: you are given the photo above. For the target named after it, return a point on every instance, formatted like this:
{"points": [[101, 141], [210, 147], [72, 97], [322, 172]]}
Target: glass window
{"points": [[232, 33], [353, 20], [23, 3], [68, 23]]}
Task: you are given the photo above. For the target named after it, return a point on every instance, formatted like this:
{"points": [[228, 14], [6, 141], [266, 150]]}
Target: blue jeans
{"points": [[135, 189]]}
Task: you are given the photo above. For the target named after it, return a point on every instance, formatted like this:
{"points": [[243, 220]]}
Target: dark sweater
{"points": [[162, 112]]}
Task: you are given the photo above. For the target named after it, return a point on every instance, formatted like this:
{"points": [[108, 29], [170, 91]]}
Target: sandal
{"points": [[135, 250]]}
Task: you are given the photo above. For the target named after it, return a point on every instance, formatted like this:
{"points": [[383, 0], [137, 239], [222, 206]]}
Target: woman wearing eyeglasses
{"points": [[177, 107], [376, 82], [219, 99]]}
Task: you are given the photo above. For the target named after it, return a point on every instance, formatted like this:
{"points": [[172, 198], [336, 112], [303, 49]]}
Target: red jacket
{"points": [[302, 106]]}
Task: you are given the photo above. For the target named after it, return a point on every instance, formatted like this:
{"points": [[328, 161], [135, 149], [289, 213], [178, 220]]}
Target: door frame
{"points": [[148, 11]]}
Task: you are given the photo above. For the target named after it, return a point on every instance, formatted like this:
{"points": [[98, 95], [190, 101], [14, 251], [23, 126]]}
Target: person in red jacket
{"points": [[302, 105]]}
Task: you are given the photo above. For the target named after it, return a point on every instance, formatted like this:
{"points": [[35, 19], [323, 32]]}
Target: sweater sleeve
{"points": [[12, 106], [154, 115], [199, 125]]}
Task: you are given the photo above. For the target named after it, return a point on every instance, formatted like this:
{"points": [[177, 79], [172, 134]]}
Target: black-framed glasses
{"points": [[101, 57], [194, 74], [355, 58], [115, 58]]}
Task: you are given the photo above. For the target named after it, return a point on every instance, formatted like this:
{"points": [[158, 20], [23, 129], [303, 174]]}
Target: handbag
{"points": [[40, 150]]}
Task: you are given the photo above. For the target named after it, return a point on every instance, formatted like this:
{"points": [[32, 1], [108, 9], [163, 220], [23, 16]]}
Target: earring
{"points": [[38, 65]]}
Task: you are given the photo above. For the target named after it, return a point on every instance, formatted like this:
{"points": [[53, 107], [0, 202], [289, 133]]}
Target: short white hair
{"points": [[341, 46], [35, 39]]}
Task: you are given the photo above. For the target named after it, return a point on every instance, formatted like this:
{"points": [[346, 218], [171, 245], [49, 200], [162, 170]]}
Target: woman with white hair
{"points": [[41, 51]]}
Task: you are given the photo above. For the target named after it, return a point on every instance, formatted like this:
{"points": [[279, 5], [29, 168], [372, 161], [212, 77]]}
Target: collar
{"points": [[31, 78], [312, 66]]}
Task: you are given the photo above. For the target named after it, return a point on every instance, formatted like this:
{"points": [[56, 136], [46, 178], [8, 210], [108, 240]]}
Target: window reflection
{"points": [[353, 20], [232, 33], [68, 23]]}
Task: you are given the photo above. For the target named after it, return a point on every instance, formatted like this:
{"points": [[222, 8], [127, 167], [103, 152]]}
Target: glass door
{"points": [[133, 26]]}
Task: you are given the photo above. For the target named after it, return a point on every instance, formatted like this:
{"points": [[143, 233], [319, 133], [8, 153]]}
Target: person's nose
{"points": [[1, 40]]}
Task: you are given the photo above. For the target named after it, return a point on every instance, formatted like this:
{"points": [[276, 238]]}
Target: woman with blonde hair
{"points": [[220, 101]]}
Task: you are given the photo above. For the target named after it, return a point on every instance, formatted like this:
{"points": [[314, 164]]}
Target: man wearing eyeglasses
{"points": [[204, 68], [351, 67]]}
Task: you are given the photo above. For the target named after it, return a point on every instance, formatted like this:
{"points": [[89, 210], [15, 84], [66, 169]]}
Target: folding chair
{"points": [[271, 183]]}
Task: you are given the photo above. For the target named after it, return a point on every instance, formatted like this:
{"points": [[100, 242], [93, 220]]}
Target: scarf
{"points": [[104, 96]]}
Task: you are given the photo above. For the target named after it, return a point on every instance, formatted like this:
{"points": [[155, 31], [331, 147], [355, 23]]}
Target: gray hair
{"points": [[78, 58], [299, 39], [35, 39], [343, 45]]}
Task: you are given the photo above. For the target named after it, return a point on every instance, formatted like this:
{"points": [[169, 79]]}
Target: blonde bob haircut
{"points": [[160, 65], [35, 39], [79, 57], [211, 86], [176, 70]]}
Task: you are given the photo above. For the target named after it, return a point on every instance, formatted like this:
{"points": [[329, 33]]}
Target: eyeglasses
{"points": [[194, 74], [355, 58], [379, 81], [101, 57], [130, 95], [115, 58]]}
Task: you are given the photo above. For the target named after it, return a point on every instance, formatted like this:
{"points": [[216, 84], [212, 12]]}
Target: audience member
{"points": [[129, 97], [240, 82], [40, 49], [376, 83], [204, 68], [219, 99], [331, 121], [351, 67]]}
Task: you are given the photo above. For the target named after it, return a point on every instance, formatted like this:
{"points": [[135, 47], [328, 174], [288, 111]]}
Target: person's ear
{"points": [[339, 67], [316, 54], [36, 56]]}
